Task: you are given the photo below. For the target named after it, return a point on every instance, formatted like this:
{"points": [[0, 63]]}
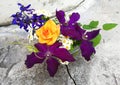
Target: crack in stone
{"points": [[9, 69], [7, 23], [115, 79], [1, 49], [65, 9], [70, 9], [2, 61]]}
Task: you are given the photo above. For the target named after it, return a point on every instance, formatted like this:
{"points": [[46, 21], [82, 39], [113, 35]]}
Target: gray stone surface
{"points": [[7, 8], [103, 69]]}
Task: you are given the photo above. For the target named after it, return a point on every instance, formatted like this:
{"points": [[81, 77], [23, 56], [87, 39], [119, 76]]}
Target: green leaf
{"points": [[94, 24], [86, 27], [96, 40], [75, 44], [109, 26], [31, 48]]}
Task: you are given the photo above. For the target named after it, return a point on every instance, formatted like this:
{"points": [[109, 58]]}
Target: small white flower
{"points": [[64, 63], [30, 36], [66, 42]]}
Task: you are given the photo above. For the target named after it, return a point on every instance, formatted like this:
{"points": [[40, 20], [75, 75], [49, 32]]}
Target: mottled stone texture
{"points": [[103, 69], [7, 8]]}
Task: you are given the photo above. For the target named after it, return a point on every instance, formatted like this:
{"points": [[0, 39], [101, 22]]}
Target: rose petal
{"points": [[60, 16], [63, 54], [32, 59], [87, 49], [52, 66]]}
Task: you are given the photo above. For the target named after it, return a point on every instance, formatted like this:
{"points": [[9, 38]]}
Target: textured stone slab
{"points": [[103, 69], [7, 7]]}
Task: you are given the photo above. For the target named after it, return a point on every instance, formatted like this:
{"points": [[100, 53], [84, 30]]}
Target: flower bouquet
{"points": [[56, 39]]}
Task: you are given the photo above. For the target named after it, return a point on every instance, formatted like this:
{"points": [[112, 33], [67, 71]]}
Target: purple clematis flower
{"points": [[68, 27], [50, 54], [86, 46], [74, 31]]}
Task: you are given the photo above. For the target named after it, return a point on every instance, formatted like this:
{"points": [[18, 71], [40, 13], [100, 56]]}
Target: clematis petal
{"points": [[40, 55], [75, 32], [80, 32], [92, 34], [63, 54], [55, 46], [33, 59], [41, 47], [79, 29], [60, 16], [72, 33], [52, 66], [87, 49], [74, 18]]}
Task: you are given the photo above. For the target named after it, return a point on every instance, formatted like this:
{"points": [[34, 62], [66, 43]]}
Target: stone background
{"points": [[103, 69]]}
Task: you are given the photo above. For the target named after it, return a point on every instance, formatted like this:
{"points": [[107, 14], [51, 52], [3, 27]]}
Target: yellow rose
{"points": [[48, 33]]}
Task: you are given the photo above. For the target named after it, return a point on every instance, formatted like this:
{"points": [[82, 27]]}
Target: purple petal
{"points": [[63, 54], [92, 34], [28, 6], [74, 18], [52, 66], [87, 49], [79, 29], [33, 59], [19, 4], [40, 55], [41, 47], [55, 46], [75, 32], [60, 16], [72, 33]]}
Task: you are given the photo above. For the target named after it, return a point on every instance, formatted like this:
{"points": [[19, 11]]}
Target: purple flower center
{"points": [[84, 37], [65, 24], [48, 54]]}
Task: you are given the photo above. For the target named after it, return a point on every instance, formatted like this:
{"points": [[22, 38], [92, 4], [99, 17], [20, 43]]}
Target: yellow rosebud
{"points": [[48, 33]]}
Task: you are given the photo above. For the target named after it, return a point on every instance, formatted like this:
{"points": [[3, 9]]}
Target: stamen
{"points": [[48, 54], [84, 37]]}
